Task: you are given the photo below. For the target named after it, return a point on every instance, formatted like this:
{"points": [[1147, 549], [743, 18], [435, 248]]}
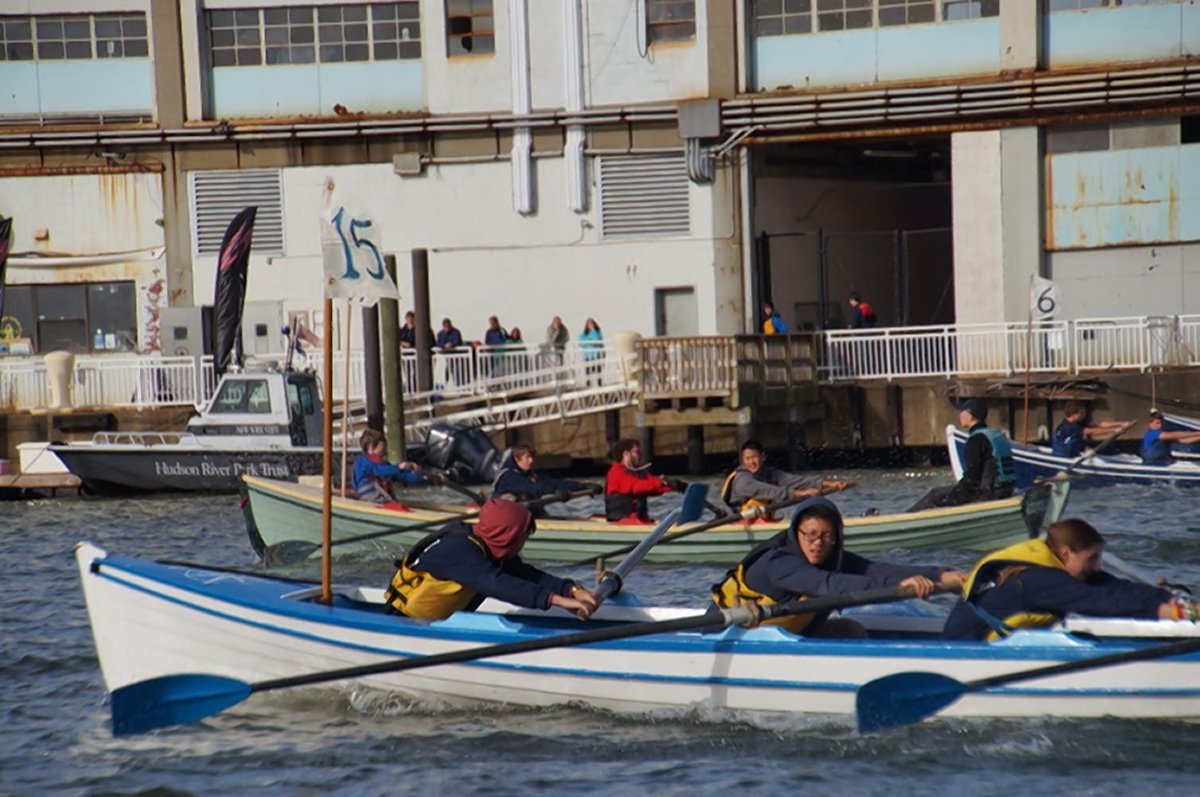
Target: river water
{"points": [[55, 735]]}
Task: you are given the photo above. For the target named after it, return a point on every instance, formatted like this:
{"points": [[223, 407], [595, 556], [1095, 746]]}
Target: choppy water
{"points": [[54, 738]]}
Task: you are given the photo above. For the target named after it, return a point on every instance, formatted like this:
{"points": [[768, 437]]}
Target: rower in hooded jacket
{"points": [[456, 568], [809, 560]]}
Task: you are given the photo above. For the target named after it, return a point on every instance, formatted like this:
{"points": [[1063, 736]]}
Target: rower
{"points": [[755, 484], [808, 560], [456, 568], [374, 475], [629, 483], [1035, 583]]}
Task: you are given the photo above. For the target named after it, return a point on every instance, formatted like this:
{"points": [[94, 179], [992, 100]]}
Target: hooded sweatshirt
{"points": [[493, 570], [779, 569]]}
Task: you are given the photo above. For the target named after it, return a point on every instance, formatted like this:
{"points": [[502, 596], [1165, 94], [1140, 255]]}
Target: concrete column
{"points": [[646, 441], [997, 205], [1021, 27]]}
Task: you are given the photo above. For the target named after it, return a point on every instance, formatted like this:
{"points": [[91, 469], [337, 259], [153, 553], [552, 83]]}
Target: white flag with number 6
{"points": [[351, 247], [1043, 299]]}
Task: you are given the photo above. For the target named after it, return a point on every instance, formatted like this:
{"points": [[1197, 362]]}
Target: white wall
{"points": [[1127, 281], [997, 223], [486, 259], [91, 214]]}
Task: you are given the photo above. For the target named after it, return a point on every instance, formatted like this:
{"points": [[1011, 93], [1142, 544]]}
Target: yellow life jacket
{"points": [[1004, 564], [420, 595], [733, 592], [749, 503]]}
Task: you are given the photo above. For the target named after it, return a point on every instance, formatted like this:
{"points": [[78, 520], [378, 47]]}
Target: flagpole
{"points": [[346, 394], [327, 456]]}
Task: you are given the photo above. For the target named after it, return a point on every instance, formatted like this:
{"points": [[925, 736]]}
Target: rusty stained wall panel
{"points": [[1122, 198]]}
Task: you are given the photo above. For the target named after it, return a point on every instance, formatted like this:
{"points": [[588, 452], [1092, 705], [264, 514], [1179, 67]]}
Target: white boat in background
{"points": [[153, 621], [261, 421], [1037, 463]]}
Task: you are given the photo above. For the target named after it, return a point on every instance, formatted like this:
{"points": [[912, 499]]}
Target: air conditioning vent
{"points": [[218, 196], [643, 196]]}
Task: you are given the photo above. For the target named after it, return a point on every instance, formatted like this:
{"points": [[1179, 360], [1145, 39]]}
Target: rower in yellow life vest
{"points": [[1035, 583], [456, 568], [808, 560]]}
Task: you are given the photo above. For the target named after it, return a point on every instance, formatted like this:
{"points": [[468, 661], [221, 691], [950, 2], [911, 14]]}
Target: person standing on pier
{"points": [[988, 469], [773, 323], [629, 483], [862, 315], [755, 484]]}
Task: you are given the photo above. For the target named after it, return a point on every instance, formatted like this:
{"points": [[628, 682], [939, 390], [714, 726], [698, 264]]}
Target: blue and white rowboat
{"points": [[152, 620], [1039, 462]]}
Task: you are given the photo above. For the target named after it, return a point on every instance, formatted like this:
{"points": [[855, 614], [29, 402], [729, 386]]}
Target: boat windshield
{"points": [[243, 396]]}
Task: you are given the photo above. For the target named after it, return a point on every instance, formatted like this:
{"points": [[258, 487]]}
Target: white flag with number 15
{"points": [[351, 247]]}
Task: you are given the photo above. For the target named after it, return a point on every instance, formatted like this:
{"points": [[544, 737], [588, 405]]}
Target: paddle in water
{"points": [[180, 699], [290, 552], [909, 697]]}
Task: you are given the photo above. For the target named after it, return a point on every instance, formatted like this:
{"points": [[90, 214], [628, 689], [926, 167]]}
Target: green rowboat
{"points": [[278, 511]]}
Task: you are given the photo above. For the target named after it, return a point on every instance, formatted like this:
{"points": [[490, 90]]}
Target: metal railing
{"points": [[662, 367], [1073, 347]]}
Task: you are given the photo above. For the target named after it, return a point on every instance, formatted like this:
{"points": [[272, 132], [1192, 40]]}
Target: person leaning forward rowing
{"points": [[1035, 583], [809, 560], [456, 568], [989, 471], [518, 481], [755, 484]]}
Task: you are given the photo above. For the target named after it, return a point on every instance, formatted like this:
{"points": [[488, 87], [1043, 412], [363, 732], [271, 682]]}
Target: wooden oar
{"points": [[693, 504], [909, 697], [746, 515], [290, 552], [180, 699]]}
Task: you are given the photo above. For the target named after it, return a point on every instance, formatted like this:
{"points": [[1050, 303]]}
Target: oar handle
{"points": [[832, 602]]}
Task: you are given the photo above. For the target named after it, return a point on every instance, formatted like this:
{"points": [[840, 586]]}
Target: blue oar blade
{"points": [[693, 503], [903, 699], [173, 700]]}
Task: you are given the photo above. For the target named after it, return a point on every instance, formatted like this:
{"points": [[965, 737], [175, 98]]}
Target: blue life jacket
{"points": [[1006, 473]]}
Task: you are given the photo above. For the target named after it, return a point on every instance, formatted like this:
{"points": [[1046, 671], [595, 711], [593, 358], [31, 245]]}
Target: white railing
{"points": [[1086, 344]]}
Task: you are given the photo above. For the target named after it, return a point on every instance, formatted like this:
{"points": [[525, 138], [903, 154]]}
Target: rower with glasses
{"points": [[808, 560]]}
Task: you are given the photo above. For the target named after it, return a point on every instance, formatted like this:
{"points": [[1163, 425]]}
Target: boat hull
{"points": [[277, 512], [1037, 463], [151, 620], [121, 470]]}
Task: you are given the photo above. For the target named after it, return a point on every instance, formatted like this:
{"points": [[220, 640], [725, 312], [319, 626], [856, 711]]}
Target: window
{"points": [[1189, 130], [81, 318], [243, 395], [1076, 5], [670, 20], [328, 34], [905, 12], [782, 17], [288, 36], [16, 39], [121, 36], [470, 27], [843, 14], [953, 10], [61, 38], [343, 33]]}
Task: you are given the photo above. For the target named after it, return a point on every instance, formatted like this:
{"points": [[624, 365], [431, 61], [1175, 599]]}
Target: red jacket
{"points": [[626, 491]]}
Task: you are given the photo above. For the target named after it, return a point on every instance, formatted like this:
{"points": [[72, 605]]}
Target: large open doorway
{"points": [[866, 216]]}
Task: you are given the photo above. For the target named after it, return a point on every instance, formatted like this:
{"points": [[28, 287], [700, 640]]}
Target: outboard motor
{"points": [[465, 452]]}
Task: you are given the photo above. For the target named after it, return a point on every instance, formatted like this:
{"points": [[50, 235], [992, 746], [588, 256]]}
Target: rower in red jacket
{"points": [[629, 484]]}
